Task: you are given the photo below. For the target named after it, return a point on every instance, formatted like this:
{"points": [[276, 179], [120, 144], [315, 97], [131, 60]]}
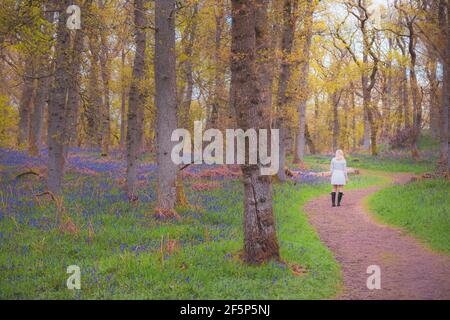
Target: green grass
{"points": [[422, 208], [123, 258], [379, 163]]}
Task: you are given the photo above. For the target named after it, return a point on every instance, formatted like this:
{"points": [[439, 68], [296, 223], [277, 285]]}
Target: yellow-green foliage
{"points": [[8, 123]]}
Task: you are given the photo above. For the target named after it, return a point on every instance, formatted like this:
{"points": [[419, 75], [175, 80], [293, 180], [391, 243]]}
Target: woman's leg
{"points": [[333, 196], [340, 194]]}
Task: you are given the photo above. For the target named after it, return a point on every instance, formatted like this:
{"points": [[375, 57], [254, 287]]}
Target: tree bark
{"points": [[123, 97], [95, 102], [73, 99], [416, 99], [136, 99], [283, 97], [251, 79], [445, 97], [37, 116], [57, 105], [41, 98], [299, 150], [166, 105], [25, 106]]}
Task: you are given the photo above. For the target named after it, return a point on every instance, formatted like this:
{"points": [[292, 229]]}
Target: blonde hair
{"points": [[339, 155]]}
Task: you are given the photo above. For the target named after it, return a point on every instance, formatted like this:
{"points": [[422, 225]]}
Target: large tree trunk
{"points": [[283, 97], [136, 99], [25, 105], [57, 105], [251, 76], [299, 150], [166, 105]]}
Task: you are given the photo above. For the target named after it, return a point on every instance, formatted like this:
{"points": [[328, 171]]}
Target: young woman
{"points": [[339, 177]]}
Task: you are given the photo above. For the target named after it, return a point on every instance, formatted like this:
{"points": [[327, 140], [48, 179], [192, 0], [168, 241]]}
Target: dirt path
{"points": [[409, 270]]}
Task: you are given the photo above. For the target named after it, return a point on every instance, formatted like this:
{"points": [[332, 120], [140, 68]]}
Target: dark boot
{"points": [[340, 194], [333, 199]]}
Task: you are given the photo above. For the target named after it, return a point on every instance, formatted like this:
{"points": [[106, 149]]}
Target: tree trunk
{"points": [[251, 76], [184, 115], [73, 99], [123, 97], [166, 105], [37, 116], [352, 88], [217, 112], [335, 97], [57, 105], [309, 141], [41, 98], [444, 24], [299, 150], [106, 105], [25, 105], [289, 22], [95, 102], [136, 100], [416, 100], [445, 96]]}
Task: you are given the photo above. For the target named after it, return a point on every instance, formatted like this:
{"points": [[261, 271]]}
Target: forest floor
{"points": [[125, 253], [409, 268]]}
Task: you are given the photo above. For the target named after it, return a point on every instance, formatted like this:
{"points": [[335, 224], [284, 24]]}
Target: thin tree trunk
{"points": [[37, 116], [251, 76], [25, 106], [136, 99], [299, 150], [335, 97], [309, 140], [106, 105], [217, 105], [166, 105], [123, 97], [444, 23], [416, 100], [95, 102]]}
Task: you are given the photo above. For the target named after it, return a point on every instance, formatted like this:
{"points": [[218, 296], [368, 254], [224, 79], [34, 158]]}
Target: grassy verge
{"points": [[380, 163], [421, 207], [118, 247]]}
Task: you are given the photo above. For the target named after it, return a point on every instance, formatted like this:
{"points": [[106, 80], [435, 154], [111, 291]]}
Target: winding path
{"points": [[409, 270]]}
